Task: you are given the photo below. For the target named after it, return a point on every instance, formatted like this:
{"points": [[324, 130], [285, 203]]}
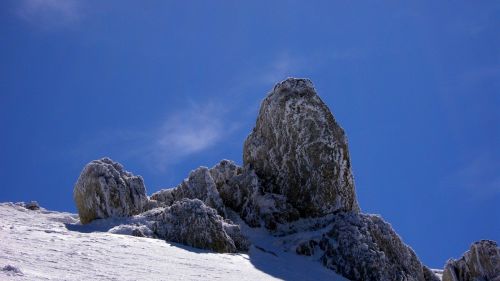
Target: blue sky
{"points": [[164, 87]]}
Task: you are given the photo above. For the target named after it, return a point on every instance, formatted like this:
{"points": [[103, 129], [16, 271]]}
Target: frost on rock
{"points": [[241, 190], [299, 151], [481, 262], [199, 185], [32, 205], [364, 247], [234, 185], [191, 222], [104, 189]]}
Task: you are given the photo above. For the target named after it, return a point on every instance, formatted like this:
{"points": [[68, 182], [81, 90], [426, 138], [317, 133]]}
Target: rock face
{"points": [[104, 189], [480, 263], [364, 247], [191, 222], [298, 150]]}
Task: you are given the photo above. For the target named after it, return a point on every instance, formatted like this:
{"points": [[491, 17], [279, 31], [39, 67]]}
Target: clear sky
{"points": [[164, 87]]}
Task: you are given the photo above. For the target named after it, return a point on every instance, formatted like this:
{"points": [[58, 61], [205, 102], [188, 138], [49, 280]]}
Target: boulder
{"points": [[105, 189], [191, 222], [481, 263], [298, 150], [364, 247]]}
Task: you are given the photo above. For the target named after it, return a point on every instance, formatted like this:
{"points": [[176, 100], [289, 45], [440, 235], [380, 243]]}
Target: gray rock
{"points": [[430, 275], [104, 189], [11, 270], [241, 190], [191, 222], [298, 150], [235, 185], [364, 247], [480, 263], [32, 205], [199, 185]]}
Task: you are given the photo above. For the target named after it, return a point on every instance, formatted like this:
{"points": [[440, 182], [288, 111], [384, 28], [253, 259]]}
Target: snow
{"points": [[45, 245]]}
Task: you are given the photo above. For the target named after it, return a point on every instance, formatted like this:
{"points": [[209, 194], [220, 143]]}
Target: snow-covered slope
{"points": [[44, 245]]}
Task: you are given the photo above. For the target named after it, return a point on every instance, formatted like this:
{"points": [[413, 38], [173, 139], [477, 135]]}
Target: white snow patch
{"points": [[53, 246]]}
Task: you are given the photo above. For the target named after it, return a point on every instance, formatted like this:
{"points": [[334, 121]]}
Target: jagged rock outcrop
{"points": [[480, 263], [104, 189], [227, 185], [191, 222], [32, 205], [364, 247], [296, 181], [235, 185], [241, 190], [299, 151], [199, 185]]}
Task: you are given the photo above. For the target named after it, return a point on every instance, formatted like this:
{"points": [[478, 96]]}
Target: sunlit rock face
{"points": [[298, 150], [105, 189], [481, 263]]}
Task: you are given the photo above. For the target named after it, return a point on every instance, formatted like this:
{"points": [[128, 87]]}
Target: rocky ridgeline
{"points": [[296, 178]]}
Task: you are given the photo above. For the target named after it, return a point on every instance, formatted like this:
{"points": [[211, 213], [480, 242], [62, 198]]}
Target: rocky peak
{"points": [[298, 150]]}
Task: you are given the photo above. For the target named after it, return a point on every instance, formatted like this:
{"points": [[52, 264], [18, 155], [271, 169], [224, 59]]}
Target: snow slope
{"points": [[45, 245]]}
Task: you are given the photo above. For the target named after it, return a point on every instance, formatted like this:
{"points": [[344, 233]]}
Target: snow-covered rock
{"points": [[32, 205], [235, 185], [241, 190], [11, 270], [191, 222], [298, 150], [481, 263], [199, 185], [105, 189], [364, 247]]}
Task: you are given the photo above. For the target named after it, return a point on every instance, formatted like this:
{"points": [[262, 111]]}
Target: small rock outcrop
{"points": [[191, 222], [32, 205], [104, 189], [364, 247], [299, 151], [199, 185], [481, 263]]}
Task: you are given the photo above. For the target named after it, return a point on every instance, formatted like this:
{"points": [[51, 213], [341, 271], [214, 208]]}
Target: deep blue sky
{"points": [[165, 87]]}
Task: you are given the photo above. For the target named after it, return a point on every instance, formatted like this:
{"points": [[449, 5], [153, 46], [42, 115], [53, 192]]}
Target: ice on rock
{"points": [[296, 182], [199, 185], [365, 247], [104, 189], [481, 262], [191, 222], [298, 150]]}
